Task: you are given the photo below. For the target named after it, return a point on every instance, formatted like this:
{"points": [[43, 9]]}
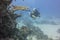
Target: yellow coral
{"points": [[20, 8]]}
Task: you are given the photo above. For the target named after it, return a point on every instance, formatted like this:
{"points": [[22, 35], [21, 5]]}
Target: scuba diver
{"points": [[35, 13]]}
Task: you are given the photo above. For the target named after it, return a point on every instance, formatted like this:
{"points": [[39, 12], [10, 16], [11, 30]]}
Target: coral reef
{"points": [[8, 23], [7, 20]]}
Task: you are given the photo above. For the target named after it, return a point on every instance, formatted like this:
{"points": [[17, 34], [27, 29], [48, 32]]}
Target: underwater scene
{"points": [[29, 19]]}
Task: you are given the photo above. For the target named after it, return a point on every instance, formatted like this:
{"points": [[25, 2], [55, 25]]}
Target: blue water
{"points": [[49, 12]]}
